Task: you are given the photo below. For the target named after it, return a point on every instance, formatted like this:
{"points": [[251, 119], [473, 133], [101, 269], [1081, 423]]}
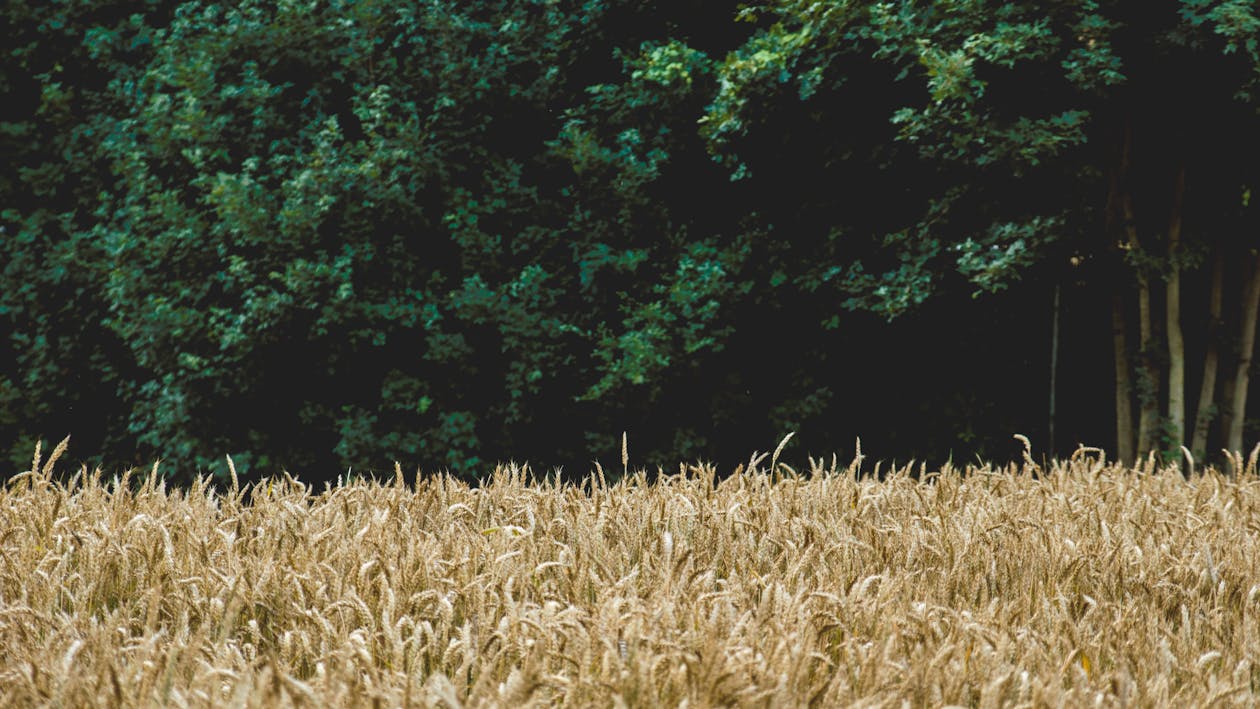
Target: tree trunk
{"points": [[1207, 393], [1119, 321], [1246, 346], [1227, 408], [1148, 374], [1054, 362], [1172, 312], [1124, 412]]}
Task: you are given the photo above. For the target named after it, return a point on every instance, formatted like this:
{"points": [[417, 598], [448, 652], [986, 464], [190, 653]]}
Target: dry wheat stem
{"points": [[1069, 585]]}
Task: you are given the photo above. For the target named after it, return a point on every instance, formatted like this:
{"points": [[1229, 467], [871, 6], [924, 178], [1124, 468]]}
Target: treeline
{"points": [[320, 235]]}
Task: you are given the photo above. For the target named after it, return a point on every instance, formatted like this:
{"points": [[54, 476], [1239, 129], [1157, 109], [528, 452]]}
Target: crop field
{"points": [[1074, 583]]}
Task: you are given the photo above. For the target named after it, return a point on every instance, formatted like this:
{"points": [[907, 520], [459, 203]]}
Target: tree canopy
{"points": [[320, 235]]}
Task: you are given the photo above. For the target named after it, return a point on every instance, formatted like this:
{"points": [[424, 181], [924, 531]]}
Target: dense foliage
{"points": [[320, 235]]}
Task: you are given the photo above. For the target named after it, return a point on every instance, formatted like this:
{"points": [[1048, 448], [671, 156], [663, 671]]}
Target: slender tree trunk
{"points": [[1227, 408], [1054, 362], [1119, 321], [1124, 411], [1211, 358], [1148, 375], [1172, 312], [1148, 389], [1247, 341]]}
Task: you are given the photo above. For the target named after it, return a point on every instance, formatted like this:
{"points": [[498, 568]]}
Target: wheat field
{"points": [[1074, 583]]}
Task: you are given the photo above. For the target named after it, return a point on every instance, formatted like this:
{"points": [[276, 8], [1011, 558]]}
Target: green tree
{"points": [[317, 235], [61, 369], [318, 227], [357, 232], [1007, 121]]}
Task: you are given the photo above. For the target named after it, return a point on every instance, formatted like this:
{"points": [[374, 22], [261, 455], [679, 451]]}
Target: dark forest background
{"points": [[321, 235]]}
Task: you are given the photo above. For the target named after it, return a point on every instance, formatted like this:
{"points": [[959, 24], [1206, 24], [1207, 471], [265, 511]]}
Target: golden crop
{"points": [[1074, 585]]}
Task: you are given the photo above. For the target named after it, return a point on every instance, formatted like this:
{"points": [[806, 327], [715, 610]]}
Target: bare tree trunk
{"points": [[1148, 375], [1119, 320], [1247, 341], [1172, 311], [1211, 358], [1227, 408], [1124, 412], [1054, 362]]}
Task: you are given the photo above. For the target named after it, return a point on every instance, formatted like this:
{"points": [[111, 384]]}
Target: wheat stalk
{"points": [[1090, 584]]}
